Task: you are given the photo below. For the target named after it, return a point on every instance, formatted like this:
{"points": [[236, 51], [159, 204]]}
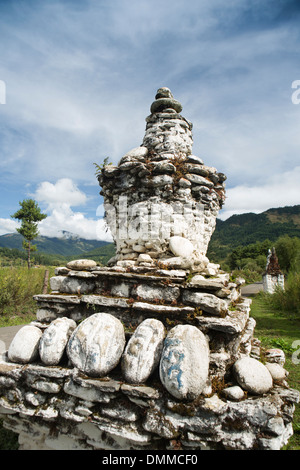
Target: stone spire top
{"points": [[160, 194], [165, 102], [167, 131]]}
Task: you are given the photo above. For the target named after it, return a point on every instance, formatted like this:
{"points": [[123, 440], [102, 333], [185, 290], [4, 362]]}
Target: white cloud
{"points": [[278, 191], [8, 226], [64, 218], [63, 193], [59, 199]]}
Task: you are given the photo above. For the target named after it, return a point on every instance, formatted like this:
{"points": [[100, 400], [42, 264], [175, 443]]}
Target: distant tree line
{"points": [[13, 256], [255, 255]]}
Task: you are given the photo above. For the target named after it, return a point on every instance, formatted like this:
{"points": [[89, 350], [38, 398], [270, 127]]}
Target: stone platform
{"points": [[60, 406]]}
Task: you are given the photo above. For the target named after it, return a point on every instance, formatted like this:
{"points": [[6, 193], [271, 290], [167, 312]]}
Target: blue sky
{"points": [[80, 77]]}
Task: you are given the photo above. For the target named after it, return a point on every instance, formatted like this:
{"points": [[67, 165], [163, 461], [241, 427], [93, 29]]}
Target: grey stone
{"points": [[160, 180], [143, 350], [184, 362], [232, 324], [140, 391], [120, 290], [97, 344], [163, 167], [56, 282], [235, 393], [194, 159], [161, 309], [150, 293], [75, 285], [198, 179], [137, 152], [102, 301], [24, 347], [54, 340], [211, 284], [184, 183], [252, 376], [207, 302], [54, 298], [163, 92], [160, 104], [275, 355], [86, 391]]}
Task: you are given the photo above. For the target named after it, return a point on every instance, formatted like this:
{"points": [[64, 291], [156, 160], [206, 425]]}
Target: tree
{"points": [[287, 250], [30, 214]]}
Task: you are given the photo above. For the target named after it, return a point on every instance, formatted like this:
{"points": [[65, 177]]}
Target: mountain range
{"points": [[237, 230], [67, 245]]}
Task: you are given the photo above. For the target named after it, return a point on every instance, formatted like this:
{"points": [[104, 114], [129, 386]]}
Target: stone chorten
{"points": [[160, 191], [157, 350], [273, 277]]}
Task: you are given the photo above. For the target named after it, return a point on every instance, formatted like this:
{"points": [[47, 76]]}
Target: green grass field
{"points": [[18, 285]]}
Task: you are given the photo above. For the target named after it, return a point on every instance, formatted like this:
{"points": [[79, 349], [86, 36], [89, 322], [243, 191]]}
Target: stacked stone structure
{"points": [[156, 350], [160, 190], [273, 277]]}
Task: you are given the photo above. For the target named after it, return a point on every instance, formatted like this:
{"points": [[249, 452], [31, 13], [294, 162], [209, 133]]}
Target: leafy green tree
{"points": [[30, 214], [287, 250]]}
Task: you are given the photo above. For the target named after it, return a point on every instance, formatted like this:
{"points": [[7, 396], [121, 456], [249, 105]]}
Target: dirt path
{"points": [[252, 289], [6, 335]]}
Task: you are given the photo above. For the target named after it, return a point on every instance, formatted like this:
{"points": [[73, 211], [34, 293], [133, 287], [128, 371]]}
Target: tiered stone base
{"points": [[59, 407]]}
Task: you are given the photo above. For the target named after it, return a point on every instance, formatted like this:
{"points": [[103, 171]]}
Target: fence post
{"points": [[46, 277]]}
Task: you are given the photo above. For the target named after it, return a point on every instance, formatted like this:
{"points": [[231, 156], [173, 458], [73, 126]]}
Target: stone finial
{"points": [[164, 102]]}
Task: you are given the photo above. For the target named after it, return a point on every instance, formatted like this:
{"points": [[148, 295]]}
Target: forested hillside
{"points": [[246, 229]]}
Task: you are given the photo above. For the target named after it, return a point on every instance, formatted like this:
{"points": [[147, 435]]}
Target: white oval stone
{"points": [[277, 372], [181, 246], [24, 347], [184, 363], [55, 339], [234, 393], [97, 344], [252, 375], [143, 350], [79, 264]]}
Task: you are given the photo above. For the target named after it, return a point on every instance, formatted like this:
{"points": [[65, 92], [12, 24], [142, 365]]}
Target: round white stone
{"points": [[24, 347], [143, 351], [181, 246], [79, 264], [97, 344], [252, 375], [55, 339], [277, 372], [234, 393], [184, 362]]}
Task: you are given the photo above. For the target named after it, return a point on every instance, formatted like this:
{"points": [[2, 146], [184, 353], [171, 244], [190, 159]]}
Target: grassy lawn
{"points": [[18, 285], [277, 330]]}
